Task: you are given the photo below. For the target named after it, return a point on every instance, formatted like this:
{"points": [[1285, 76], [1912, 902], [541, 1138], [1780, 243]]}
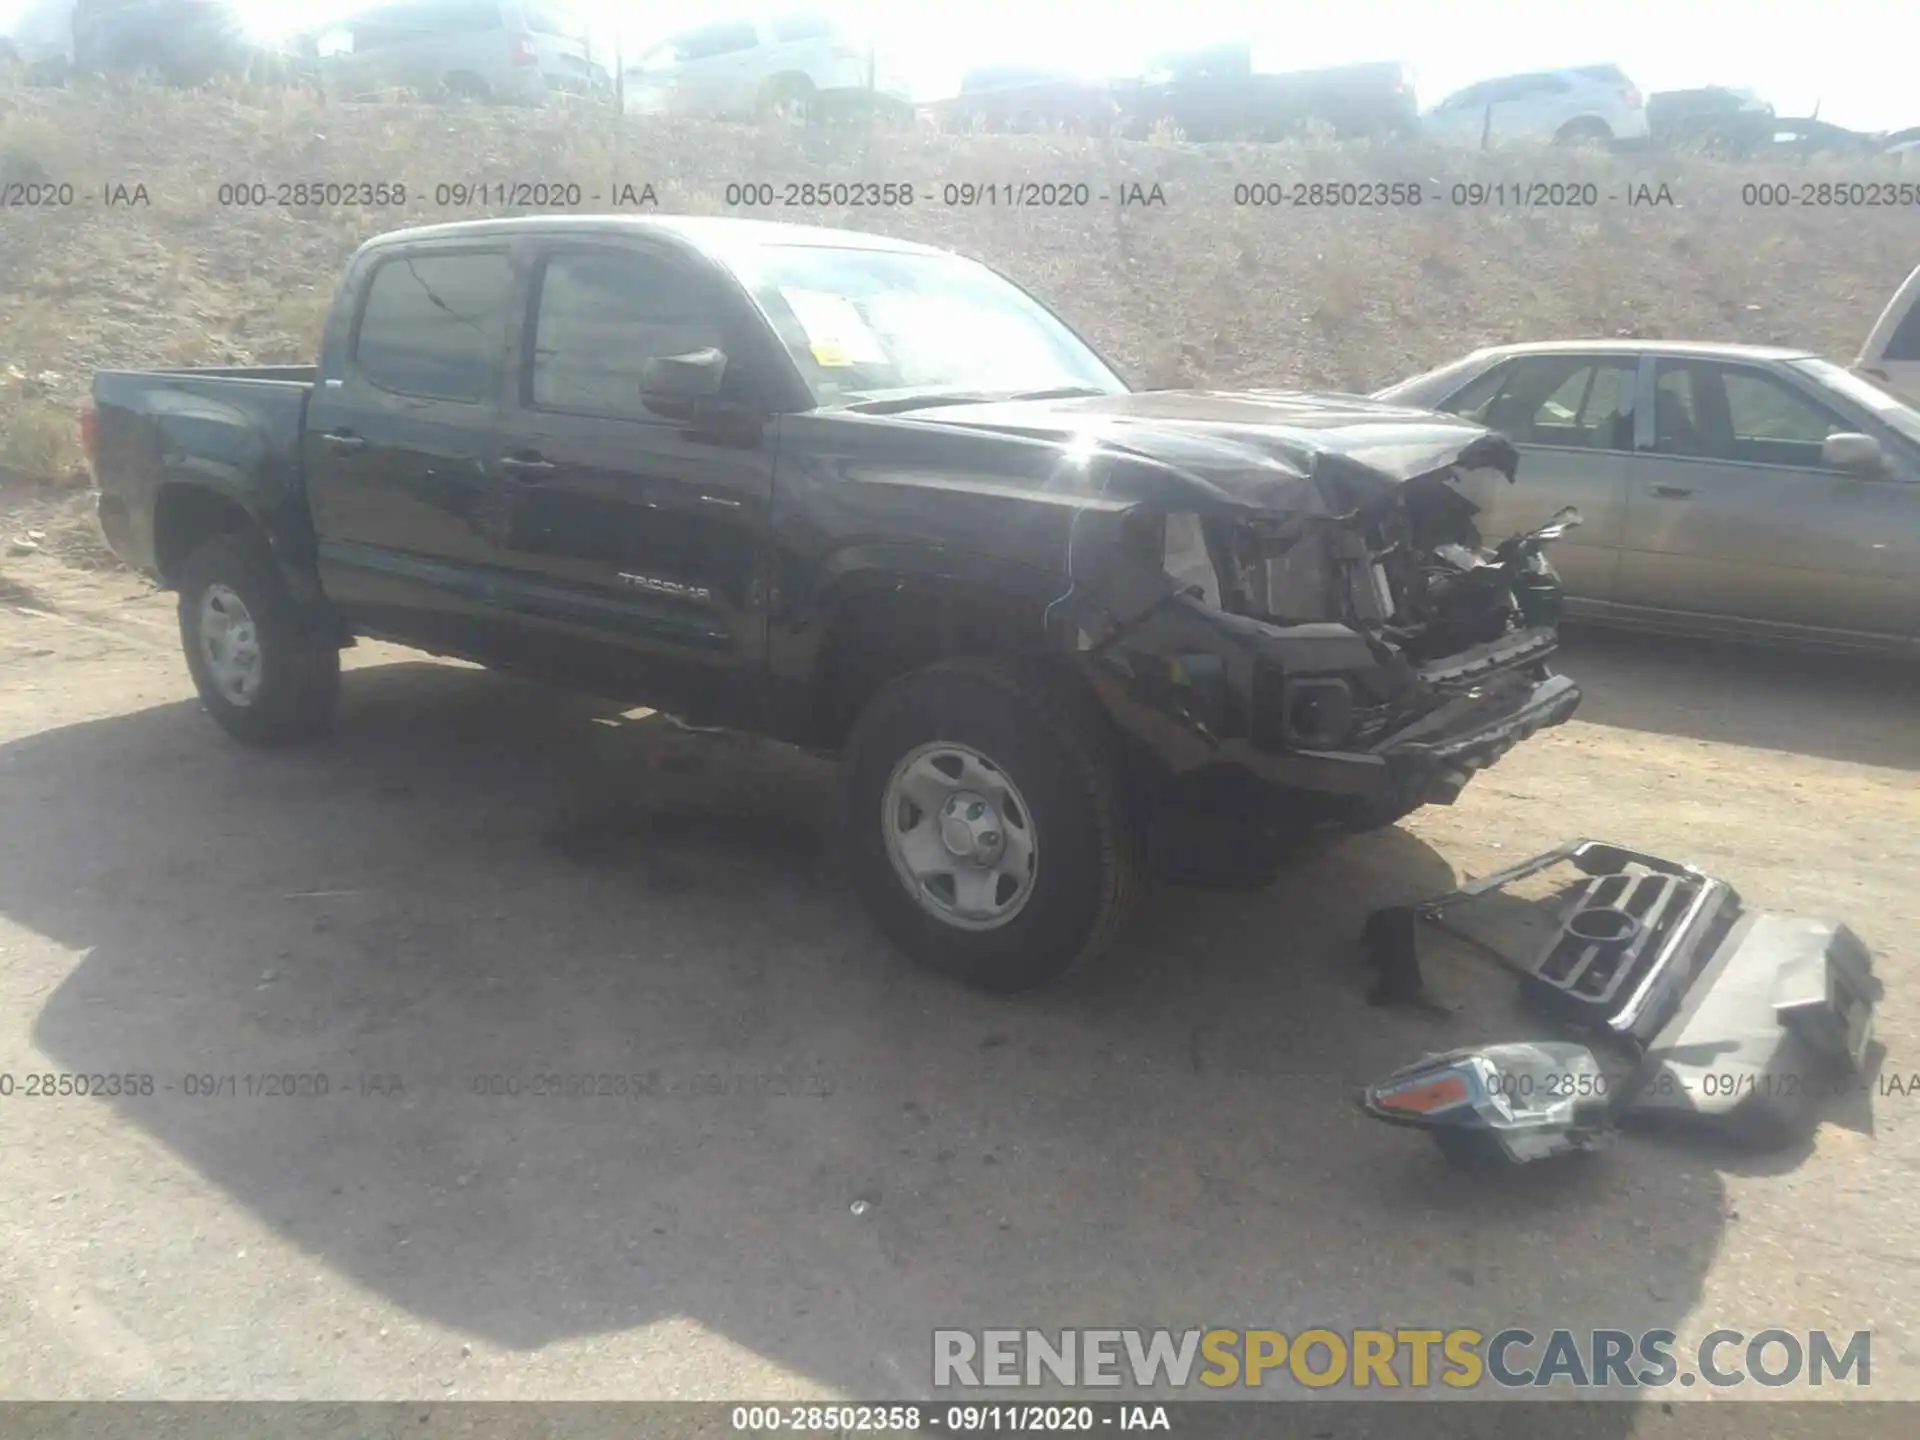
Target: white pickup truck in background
{"points": [[1891, 356]]}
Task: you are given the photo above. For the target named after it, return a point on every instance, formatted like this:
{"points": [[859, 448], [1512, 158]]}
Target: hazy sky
{"points": [[1855, 57]]}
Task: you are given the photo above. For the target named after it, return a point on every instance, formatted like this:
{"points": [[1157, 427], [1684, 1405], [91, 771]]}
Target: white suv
{"points": [[739, 69], [1584, 103]]}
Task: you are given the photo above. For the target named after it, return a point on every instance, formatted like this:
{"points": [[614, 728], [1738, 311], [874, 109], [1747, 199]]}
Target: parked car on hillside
{"points": [[1719, 119], [1012, 100], [1579, 104], [1891, 356], [1735, 490], [502, 51], [795, 66], [1219, 94], [864, 496], [40, 40], [178, 42]]}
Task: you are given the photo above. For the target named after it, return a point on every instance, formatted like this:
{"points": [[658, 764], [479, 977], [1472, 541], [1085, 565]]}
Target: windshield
{"points": [[867, 325], [1889, 409]]}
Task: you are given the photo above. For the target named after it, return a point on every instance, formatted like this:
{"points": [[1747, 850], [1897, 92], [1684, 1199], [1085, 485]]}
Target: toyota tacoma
{"points": [[866, 497]]}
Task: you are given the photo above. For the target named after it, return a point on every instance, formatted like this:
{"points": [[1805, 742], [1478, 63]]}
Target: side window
{"points": [[1588, 409], [802, 27], [456, 17], [434, 325], [1557, 400], [1720, 412], [726, 39], [1470, 402], [1774, 424], [1904, 343], [602, 315], [1527, 87], [661, 59]]}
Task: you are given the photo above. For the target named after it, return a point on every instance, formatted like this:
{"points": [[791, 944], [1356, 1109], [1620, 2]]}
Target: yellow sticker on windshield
{"points": [[831, 353]]}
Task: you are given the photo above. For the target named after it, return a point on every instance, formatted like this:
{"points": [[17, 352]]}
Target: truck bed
{"points": [[232, 431]]}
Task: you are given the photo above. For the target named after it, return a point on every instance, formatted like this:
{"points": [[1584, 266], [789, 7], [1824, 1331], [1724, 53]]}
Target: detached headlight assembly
{"points": [[1512, 1103]]}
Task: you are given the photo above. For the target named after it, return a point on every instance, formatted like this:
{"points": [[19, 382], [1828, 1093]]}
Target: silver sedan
{"points": [[1730, 490]]}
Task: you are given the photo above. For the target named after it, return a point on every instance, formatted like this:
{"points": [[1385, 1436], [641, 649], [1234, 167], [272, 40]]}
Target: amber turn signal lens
{"points": [[1435, 1095]]}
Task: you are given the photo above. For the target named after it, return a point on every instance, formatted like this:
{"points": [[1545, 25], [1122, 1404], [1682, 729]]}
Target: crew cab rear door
{"points": [[1571, 416], [634, 543], [400, 430]]}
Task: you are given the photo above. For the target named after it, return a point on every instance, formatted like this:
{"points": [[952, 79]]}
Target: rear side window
{"points": [[1529, 87], [434, 325], [1470, 401], [1565, 400], [802, 27], [602, 314], [727, 39], [454, 16]]}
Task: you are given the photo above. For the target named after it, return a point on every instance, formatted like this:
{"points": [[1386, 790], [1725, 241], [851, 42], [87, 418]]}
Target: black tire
{"points": [[1585, 131], [465, 88], [787, 97], [299, 671], [1055, 748]]}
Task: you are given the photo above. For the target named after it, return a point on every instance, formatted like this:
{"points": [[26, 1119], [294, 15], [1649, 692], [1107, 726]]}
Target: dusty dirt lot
{"points": [[477, 878]]}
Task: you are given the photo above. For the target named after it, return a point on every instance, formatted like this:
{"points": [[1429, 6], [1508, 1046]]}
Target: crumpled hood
{"points": [[1267, 451]]}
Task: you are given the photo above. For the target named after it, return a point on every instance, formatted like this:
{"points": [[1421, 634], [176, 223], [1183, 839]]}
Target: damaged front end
{"points": [[1346, 637]]}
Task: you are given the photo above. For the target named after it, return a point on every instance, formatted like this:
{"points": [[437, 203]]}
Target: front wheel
{"points": [[986, 826], [262, 671]]}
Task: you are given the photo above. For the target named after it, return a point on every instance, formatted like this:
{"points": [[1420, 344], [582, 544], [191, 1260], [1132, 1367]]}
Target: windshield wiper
{"points": [[890, 404], [894, 403]]}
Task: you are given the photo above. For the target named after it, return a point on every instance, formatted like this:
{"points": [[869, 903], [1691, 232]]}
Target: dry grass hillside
{"points": [[1198, 291]]}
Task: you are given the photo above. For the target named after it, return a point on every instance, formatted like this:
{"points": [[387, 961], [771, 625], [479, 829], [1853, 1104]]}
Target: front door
{"points": [[1732, 518], [634, 544]]}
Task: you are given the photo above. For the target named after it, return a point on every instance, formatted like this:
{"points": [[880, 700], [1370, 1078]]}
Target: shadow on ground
{"points": [[1836, 707], [478, 883]]}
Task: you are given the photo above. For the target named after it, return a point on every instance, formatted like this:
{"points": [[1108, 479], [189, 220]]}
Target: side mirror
{"points": [[680, 380], [1860, 454], [1568, 517]]}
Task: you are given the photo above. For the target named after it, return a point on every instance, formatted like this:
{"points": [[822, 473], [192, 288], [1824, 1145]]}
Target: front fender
{"points": [[899, 572]]}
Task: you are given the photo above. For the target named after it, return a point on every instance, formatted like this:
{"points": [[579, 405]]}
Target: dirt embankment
{"points": [[135, 256]]}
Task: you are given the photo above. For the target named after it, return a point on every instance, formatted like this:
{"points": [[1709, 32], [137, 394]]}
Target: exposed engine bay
{"points": [[1411, 569]]}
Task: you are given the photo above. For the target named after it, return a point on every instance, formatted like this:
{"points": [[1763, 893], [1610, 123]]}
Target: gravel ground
{"points": [[479, 881]]}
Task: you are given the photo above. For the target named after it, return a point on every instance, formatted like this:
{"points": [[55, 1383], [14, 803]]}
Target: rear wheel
{"points": [[262, 671], [1585, 131], [985, 823], [466, 88], [786, 97]]}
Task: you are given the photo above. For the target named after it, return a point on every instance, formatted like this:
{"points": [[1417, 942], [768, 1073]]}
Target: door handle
{"points": [[345, 440], [721, 500], [525, 464], [1670, 492]]}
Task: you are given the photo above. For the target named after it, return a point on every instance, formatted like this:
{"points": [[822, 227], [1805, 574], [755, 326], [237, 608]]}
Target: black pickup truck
{"points": [[867, 497]]}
